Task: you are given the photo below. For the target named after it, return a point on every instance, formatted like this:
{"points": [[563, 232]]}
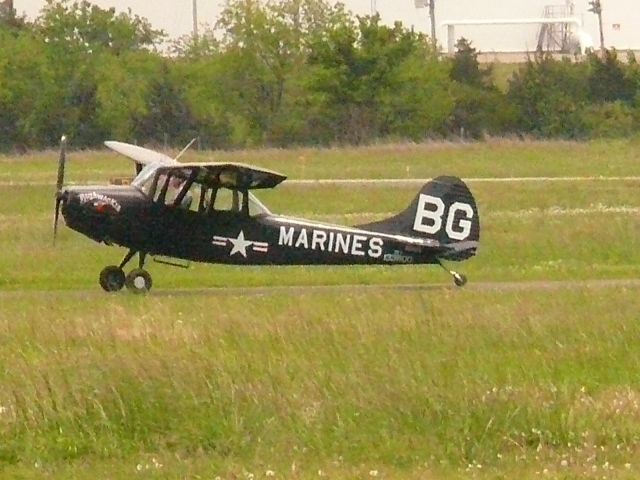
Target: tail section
{"points": [[445, 211]]}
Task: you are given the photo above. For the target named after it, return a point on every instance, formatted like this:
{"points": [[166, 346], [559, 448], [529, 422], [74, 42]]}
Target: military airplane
{"points": [[206, 212]]}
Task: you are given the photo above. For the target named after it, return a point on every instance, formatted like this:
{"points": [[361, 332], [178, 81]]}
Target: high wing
{"points": [[140, 155], [235, 176]]}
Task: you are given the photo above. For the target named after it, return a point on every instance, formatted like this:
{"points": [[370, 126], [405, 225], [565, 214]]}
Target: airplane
{"points": [[206, 212]]}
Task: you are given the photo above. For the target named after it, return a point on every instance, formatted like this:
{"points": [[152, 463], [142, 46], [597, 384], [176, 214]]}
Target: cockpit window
{"points": [[169, 190], [226, 200]]}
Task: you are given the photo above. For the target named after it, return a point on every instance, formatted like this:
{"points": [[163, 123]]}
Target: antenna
{"points": [[374, 7]]}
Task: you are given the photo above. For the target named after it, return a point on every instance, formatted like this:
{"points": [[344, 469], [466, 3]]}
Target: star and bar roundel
{"points": [[240, 244]]}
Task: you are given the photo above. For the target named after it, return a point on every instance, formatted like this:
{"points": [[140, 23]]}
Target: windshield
{"points": [[256, 207], [144, 180]]}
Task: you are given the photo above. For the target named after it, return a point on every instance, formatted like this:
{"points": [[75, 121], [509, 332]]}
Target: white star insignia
{"points": [[239, 245]]}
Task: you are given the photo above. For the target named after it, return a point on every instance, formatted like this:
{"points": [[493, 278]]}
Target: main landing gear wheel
{"points": [[138, 281], [112, 279]]}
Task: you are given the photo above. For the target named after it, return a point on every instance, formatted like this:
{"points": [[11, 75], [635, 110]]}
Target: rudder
{"points": [[444, 210]]}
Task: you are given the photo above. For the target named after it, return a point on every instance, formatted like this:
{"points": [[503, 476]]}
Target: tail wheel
{"points": [[459, 279], [138, 281], [112, 279]]}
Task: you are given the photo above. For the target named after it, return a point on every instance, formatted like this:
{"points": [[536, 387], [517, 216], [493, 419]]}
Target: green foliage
{"points": [[466, 69], [611, 120], [167, 111], [29, 89], [283, 73], [86, 27], [608, 79], [550, 96], [370, 80], [416, 102], [480, 107], [124, 85]]}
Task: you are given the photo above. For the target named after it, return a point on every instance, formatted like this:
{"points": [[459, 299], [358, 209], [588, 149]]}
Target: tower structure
{"points": [[557, 37]]}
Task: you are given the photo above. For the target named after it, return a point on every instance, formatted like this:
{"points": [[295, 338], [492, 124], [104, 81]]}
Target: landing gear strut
{"points": [[112, 278], [458, 278]]}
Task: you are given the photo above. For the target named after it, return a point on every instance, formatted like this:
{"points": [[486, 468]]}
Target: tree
{"points": [[264, 48], [205, 44], [167, 112], [479, 106], [608, 79], [550, 97], [123, 91], [371, 80], [465, 67], [78, 39], [86, 27]]}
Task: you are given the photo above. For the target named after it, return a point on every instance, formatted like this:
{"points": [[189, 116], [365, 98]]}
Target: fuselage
{"points": [[126, 216]]}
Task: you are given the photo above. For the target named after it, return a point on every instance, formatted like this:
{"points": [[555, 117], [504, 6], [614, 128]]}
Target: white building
{"points": [[620, 18], [621, 21]]}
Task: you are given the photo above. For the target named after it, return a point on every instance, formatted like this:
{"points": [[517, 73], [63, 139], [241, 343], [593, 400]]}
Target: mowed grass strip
{"points": [[408, 384], [493, 158], [543, 231]]}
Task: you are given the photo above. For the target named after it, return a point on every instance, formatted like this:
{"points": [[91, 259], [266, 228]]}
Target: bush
{"points": [[610, 120]]}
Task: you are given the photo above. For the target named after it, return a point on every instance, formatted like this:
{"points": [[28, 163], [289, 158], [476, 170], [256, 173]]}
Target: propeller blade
{"points": [[61, 163], [59, 183], [56, 217]]}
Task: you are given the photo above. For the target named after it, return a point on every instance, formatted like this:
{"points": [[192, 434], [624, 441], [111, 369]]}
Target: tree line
{"points": [[293, 72]]}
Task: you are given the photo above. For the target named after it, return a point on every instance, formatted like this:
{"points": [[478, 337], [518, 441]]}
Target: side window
{"points": [[170, 189], [192, 198], [227, 200]]}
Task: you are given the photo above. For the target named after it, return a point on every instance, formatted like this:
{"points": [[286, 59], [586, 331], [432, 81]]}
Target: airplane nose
{"points": [[61, 201], [66, 198], [62, 196]]}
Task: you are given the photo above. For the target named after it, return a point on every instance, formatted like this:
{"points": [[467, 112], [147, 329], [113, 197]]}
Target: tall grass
{"points": [[391, 380]]}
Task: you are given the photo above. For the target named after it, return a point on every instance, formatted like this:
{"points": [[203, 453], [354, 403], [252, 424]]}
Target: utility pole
{"points": [[596, 7], [195, 20], [431, 4], [374, 8], [432, 16]]}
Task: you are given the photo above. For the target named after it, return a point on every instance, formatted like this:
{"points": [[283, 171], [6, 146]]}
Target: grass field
{"points": [[384, 382]]}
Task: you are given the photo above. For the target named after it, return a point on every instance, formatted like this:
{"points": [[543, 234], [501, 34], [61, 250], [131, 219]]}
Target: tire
{"points": [[460, 280], [112, 279], [138, 281]]}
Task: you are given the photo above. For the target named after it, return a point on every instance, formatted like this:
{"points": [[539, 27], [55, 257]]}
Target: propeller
{"points": [[59, 183]]}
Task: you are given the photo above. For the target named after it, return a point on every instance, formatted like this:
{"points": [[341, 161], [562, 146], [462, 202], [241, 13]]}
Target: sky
{"points": [[620, 18]]}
